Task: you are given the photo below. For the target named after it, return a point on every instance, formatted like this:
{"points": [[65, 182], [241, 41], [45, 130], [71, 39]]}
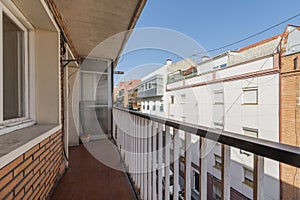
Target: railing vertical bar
{"points": [[154, 155], [176, 152], [130, 145], [149, 149], [136, 153], [203, 169], [139, 153], [142, 157], [225, 171], [135, 150], [187, 166], [167, 163], [258, 178], [160, 158], [145, 157]]}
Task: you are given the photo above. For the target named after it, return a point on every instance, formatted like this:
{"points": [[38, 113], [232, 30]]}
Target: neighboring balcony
{"points": [[151, 87]]}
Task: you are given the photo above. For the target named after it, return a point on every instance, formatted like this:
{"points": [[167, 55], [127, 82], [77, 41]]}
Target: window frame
{"points": [[216, 193], [18, 18], [216, 92], [194, 181], [295, 61], [249, 89], [248, 181], [216, 165], [172, 100]]}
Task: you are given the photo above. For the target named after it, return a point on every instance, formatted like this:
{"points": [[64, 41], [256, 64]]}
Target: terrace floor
{"points": [[89, 177]]}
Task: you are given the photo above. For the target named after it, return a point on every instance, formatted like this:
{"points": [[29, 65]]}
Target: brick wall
{"points": [[290, 124], [34, 174]]}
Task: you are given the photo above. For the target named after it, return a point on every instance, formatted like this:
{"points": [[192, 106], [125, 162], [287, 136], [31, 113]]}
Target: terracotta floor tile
{"points": [[87, 178]]}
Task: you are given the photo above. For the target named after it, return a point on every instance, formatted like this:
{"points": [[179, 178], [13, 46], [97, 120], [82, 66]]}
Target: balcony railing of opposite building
{"points": [[150, 147]]}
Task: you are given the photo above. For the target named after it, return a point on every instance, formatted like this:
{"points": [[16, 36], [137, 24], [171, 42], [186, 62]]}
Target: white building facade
{"points": [[236, 92]]}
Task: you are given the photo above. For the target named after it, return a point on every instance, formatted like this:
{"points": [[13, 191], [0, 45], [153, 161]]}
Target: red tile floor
{"points": [[88, 178]]}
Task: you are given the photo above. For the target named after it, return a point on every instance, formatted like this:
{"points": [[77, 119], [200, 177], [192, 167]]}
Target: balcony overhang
{"points": [[89, 23]]}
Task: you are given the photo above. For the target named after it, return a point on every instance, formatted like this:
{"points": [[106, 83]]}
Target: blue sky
{"points": [[211, 23]]}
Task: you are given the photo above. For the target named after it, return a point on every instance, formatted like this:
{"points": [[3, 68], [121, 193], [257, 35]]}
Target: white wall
{"points": [[199, 109]]}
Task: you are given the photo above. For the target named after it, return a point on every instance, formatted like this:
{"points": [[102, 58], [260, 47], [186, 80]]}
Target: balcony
{"points": [[154, 156], [151, 87]]}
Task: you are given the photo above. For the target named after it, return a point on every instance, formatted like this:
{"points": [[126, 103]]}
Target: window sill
{"points": [[249, 104], [217, 167], [16, 125], [15, 143], [248, 184]]}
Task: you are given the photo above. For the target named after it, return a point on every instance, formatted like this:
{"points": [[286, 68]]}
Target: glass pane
{"points": [[13, 70]]}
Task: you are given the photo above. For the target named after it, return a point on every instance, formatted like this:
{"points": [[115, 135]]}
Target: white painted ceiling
{"points": [[90, 22]]}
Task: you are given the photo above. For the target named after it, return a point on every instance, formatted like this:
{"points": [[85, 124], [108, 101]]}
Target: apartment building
{"points": [[239, 92], [152, 88], [122, 89], [290, 108], [134, 103]]}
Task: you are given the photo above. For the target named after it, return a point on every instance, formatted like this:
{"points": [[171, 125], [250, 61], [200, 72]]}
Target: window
{"points": [[143, 106], [154, 107], [14, 70], [196, 181], [161, 107], [218, 124], [218, 97], [218, 162], [172, 99], [183, 98], [251, 132], [216, 193], [250, 96], [248, 177], [148, 106], [296, 63]]}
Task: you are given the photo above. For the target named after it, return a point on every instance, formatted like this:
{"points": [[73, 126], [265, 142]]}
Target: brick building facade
{"points": [[290, 122]]}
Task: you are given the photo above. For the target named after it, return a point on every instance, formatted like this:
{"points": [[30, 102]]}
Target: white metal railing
{"points": [[150, 148]]}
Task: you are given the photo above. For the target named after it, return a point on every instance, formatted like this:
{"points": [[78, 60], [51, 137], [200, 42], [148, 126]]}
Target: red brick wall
{"points": [[290, 124], [34, 174]]}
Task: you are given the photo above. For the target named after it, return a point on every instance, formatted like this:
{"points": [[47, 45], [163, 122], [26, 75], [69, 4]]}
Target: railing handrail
{"points": [[280, 152]]}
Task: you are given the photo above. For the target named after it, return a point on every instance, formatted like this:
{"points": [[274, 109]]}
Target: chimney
{"points": [[169, 61]]}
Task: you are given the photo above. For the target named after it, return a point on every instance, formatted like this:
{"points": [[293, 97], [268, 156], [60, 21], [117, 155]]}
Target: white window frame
{"points": [[247, 89], [250, 132], [218, 159], [17, 123], [218, 92], [183, 98], [245, 177], [194, 181], [253, 133]]}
